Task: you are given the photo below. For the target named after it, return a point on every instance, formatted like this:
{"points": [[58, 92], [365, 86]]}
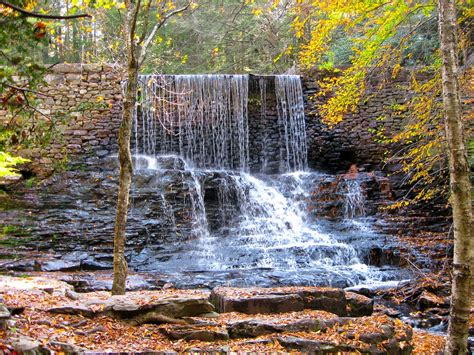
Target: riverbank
{"points": [[48, 315]]}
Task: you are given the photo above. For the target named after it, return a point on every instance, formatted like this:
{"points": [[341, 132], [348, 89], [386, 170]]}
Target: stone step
{"points": [[288, 299]]}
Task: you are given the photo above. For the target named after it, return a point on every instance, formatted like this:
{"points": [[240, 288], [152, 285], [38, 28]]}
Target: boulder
{"points": [[255, 304], [359, 305], [430, 300], [325, 299], [171, 308], [139, 310]]}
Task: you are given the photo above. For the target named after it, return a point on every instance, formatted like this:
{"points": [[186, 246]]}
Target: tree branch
{"points": [[36, 15], [23, 89], [157, 26]]}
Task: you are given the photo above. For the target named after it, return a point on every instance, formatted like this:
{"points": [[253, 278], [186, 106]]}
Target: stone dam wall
{"points": [[87, 101]]}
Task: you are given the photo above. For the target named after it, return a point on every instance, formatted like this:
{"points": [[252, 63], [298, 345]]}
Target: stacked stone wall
{"points": [[89, 98], [85, 102], [382, 109]]}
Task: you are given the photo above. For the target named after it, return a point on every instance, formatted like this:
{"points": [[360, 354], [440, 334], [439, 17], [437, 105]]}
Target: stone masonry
{"points": [[88, 97], [86, 102]]}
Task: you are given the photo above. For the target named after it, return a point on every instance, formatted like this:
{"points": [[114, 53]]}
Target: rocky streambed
{"points": [[42, 315]]}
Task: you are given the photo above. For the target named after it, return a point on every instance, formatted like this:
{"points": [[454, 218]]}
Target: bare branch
{"points": [[37, 15], [157, 26], [23, 89]]}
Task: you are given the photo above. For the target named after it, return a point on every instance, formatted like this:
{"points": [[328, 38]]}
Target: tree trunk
{"points": [[459, 181], [125, 159]]}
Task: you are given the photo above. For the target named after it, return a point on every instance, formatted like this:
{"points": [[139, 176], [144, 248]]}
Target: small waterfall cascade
{"points": [[290, 106], [273, 228], [354, 199]]}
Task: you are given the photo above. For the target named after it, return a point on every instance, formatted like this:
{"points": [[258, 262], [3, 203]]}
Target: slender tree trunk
{"points": [[459, 181], [125, 158]]}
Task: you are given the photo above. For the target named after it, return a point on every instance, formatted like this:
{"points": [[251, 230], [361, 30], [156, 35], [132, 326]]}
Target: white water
{"points": [[203, 118], [290, 106]]}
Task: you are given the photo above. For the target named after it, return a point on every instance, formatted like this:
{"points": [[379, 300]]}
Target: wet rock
{"points": [[98, 282], [61, 265], [383, 256], [359, 305], [195, 333], [21, 265]]}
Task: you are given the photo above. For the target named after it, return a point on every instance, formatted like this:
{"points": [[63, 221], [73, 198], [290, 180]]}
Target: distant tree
{"points": [[23, 33]]}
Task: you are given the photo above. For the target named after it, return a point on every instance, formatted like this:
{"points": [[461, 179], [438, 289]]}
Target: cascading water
{"points": [[354, 200], [230, 226], [290, 105], [202, 118]]}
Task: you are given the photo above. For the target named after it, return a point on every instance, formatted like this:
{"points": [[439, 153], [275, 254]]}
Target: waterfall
{"points": [[203, 118], [234, 199], [274, 230], [354, 200]]}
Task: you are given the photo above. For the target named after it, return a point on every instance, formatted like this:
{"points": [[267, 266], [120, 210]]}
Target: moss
{"points": [[14, 236], [31, 182]]}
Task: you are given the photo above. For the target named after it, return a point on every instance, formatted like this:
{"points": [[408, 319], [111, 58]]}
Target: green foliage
{"points": [[31, 182], [21, 41], [380, 37], [7, 164]]}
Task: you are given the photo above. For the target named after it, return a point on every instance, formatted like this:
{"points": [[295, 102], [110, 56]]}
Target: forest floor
{"points": [[40, 319]]}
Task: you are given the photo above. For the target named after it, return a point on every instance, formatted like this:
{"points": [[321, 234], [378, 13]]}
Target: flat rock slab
{"points": [[279, 299], [254, 327], [195, 333], [139, 309], [313, 346]]}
